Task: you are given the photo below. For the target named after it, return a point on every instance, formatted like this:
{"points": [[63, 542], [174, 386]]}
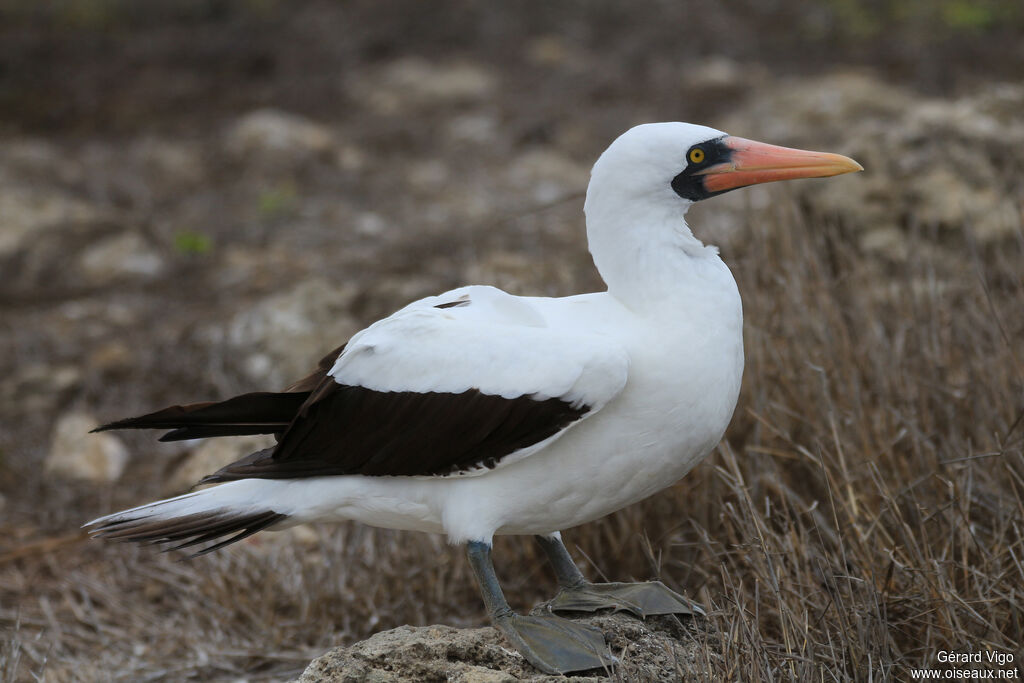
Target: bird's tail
{"points": [[195, 518]]}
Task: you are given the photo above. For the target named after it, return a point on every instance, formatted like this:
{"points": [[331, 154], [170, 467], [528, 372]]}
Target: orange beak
{"points": [[753, 162]]}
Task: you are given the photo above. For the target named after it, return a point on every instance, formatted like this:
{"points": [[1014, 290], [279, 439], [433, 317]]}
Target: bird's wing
{"points": [[456, 384]]}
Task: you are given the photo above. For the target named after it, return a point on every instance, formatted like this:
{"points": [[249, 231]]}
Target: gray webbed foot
{"points": [[576, 594], [555, 645], [642, 599], [549, 642]]}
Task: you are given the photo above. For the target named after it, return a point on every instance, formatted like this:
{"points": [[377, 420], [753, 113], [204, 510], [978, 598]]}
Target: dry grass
{"points": [[870, 490], [864, 512]]}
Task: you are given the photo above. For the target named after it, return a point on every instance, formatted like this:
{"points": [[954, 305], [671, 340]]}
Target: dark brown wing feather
{"points": [[354, 430], [326, 428], [316, 377], [255, 413]]}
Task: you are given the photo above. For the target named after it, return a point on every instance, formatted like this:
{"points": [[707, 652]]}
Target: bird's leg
{"points": [[576, 594], [552, 644]]}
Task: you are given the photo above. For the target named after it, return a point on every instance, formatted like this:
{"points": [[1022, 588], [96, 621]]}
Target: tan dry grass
{"points": [[865, 510]]}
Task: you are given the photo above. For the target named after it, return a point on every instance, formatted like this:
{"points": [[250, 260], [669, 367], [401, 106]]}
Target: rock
{"points": [[301, 538], [212, 455], [127, 255], [27, 213], [111, 356], [282, 337], [350, 158], [554, 51], [658, 649], [37, 163], [415, 82], [170, 165], [50, 238], [77, 454], [928, 162], [722, 77], [427, 177], [546, 176], [476, 129], [36, 388], [278, 133], [511, 271]]}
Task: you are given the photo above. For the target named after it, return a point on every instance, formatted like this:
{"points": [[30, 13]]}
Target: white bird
{"points": [[475, 412]]}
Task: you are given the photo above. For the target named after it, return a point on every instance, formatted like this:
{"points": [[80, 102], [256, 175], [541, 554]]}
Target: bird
{"points": [[477, 413]]}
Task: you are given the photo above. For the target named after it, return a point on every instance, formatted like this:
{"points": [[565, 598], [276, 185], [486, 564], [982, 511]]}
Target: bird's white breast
{"points": [[684, 379]]}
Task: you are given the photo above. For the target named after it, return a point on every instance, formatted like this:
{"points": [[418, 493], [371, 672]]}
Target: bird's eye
{"points": [[696, 155]]}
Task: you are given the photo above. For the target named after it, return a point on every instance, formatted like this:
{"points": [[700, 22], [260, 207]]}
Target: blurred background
{"points": [[200, 198]]}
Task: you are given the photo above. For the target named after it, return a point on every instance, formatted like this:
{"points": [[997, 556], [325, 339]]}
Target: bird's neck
{"points": [[649, 260]]}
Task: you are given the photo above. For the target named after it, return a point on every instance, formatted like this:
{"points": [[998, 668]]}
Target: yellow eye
{"points": [[696, 155]]}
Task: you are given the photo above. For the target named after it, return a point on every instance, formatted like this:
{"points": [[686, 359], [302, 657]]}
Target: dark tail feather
{"points": [[190, 530], [255, 413]]}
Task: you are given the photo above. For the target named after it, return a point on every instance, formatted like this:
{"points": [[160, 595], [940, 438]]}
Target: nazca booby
{"points": [[475, 412]]}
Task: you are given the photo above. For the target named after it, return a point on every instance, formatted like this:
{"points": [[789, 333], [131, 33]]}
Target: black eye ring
{"points": [[696, 155]]}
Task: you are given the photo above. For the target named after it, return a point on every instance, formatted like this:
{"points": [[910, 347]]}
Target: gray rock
{"points": [[281, 338], [210, 456], [509, 270], [545, 176], [25, 214], [476, 129], [414, 82], [126, 255], [927, 162], [37, 387], [170, 165], [717, 73], [274, 132], [658, 649], [554, 51], [77, 454]]}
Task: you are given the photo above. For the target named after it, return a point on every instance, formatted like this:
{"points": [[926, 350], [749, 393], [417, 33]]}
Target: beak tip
{"points": [[843, 164]]}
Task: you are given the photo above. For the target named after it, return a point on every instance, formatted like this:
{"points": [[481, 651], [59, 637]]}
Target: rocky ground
{"points": [[659, 649], [163, 243]]}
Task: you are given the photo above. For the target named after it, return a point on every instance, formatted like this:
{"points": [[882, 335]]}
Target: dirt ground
{"points": [[200, 198]]}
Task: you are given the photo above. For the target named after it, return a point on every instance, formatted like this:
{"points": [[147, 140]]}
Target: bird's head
{"points": [[676, 164], [645, 181]]}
